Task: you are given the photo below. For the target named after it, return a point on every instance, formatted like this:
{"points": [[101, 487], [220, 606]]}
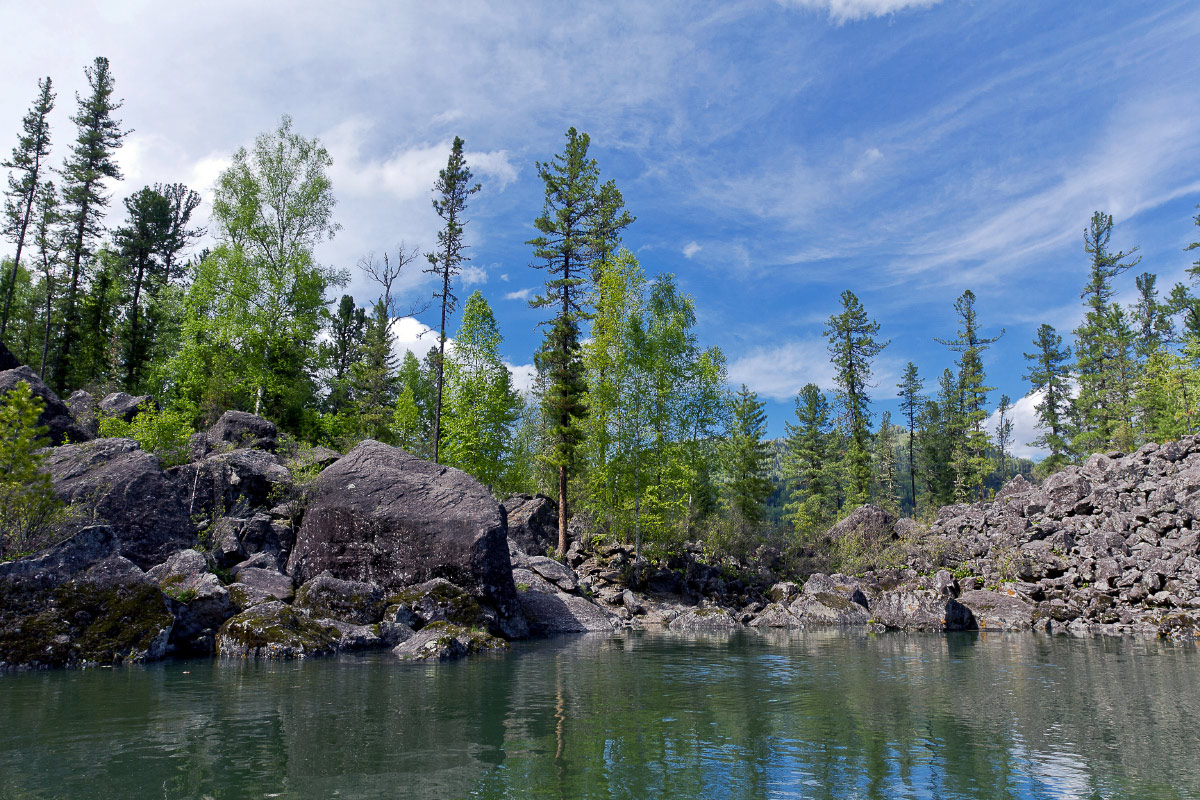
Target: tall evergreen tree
{"points": [[48, 242], [25, 179], [1049, 373], [580, 223], [911, 401], [1151, 318], [807, 463], [347, 327], [885, 463], [453, 187], [746, 461], [182, 203], [1004, 435], [91, 162], [852, 346], [142, 241], [373, 379]]}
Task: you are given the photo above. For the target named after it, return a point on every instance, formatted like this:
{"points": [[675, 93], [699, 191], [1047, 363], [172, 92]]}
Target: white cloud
{"points": [[520, 294], [473, 275], [523, 376], [780, 372], [691, 248], [410, 335], [872, 155], [1025, 430], [847, 10], [504, 277]]}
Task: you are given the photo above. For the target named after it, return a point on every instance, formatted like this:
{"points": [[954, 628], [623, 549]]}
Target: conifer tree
{"points": [[807, 463], [1151, 318], [1049, 373], [25, 179], [580, 222], [453, 187], [885, 463], [29, 508], [911, 401], [347, 327], [48, 243], [746, 461], [1004, 434], [852, 346], [91, 162], [142, 242]]}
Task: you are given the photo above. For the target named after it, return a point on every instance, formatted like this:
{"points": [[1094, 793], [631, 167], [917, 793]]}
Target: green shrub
{"points": [[30, 512], [164, 433]]}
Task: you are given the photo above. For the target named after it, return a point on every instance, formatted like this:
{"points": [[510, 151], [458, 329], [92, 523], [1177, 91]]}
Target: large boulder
{"points": [[199, 601], [123, 406], [78, 604], [920, 610], [116, 482], [551, 612], [997, 611], [867, 524], [256, 585], [445, 641], [233, 483], [380, 515], [238, 429], [349, 601], [86, 411], [705, 620], [275, 630], [55, 414], [532, 523]]}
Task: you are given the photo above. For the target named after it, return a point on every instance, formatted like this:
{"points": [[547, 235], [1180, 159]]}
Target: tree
{"points": [[1049, 373], [142, 242], [254, 308], [1094, 404], [807, 461], [412, 419], [940, 428], [373, 380], [347, 332], [25, 181], [1150, 317], [885, 463], [911, 402], [481, 403], [1004, 435], [580, 223], [454, 187], [29, 507], [91, 162], [746, 461], [970, 460], [182, 202], [48, 242], [852, 346]]}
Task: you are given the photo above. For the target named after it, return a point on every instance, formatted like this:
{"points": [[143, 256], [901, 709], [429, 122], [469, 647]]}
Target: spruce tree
{"points": [[48, 243], [807, 463], [142, 242], [580, 223], [453, 187], [1049, 373], [852, 346], [746, 461], [25, 179], [1004, 434], [885, 463], [347, 328], [911, 402], [91, 162], [1151, 318]]}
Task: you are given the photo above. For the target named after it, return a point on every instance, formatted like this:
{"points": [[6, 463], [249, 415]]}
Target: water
{"points": [[813, 715]]}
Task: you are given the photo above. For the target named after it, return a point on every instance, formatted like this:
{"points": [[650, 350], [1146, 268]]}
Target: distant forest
{"points": [[630, 420]]}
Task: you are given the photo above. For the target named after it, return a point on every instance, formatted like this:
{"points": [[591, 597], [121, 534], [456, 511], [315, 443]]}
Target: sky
{"points": [[774, 152]]}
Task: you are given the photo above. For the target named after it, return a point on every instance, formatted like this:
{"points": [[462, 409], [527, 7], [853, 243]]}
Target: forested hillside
{"points": [[631, 418]]}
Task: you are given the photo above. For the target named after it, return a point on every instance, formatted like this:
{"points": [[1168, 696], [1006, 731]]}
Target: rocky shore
{"points": [[237, 554]]}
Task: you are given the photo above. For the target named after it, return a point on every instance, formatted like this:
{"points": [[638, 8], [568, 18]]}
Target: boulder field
{"points": [[230, 555]]}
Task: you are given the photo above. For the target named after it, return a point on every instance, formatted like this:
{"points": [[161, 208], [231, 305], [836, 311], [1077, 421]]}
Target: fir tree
{"points": [[911, 401], [1004, 435], [142, 242], [807, 463], [746, 461], [1049, 374]]}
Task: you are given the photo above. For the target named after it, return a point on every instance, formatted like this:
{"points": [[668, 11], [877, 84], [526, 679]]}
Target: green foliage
{"points": [[30, 512], [1049, 374], [166, 433], [809, 465], [744, 462]]}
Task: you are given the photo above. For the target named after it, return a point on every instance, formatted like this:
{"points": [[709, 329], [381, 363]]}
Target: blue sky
{"points": [[775, 153]]}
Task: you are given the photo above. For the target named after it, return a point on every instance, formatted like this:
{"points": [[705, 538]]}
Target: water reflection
{"points": [[812, 715]]}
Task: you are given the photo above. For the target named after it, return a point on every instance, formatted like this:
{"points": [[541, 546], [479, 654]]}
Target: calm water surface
{"points": [[810, 715]]}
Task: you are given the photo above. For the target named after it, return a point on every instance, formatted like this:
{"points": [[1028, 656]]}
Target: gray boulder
{"points": [[239, 429], [705, 620], [55, 414], [994, 611], [275, 630], [828, 608], [123, 406], [532, 523], [86, 411], [199, 601], [554, 612], [254, 586], [233, 483], [445, 641], [119, 484], [380, 515], [438, 600], [866, 524], [559, 574], [920, 610], [776, 615], [349, 601]]}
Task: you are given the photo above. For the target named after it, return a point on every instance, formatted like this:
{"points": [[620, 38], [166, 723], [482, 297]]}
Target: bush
{"points": [[30, 512], [164, 433]]}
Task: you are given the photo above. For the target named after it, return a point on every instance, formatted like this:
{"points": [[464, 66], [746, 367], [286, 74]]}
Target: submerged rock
{"points": [[445, 641], [275, 630]]}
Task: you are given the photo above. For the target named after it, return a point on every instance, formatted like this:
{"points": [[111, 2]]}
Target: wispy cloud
{"points": [[849, 10], [691, 248], [519, 294]]}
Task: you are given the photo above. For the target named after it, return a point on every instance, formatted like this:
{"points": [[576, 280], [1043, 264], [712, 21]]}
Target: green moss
{"points": [[278, 631], [834, 601], [184, 596]]}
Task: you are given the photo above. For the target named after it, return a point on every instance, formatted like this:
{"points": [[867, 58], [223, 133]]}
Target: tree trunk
{"points": [[562, 510]]}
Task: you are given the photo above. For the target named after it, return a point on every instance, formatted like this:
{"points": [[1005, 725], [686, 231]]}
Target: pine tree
{"points": [[911, 401], [941, 428], [1150, 317], [29, 508], [142, 242], [970, 447], [453, 187], [746, 461], [852, 346], [347, 333], [1004, 435], [1119, 346], [26, 166], [807, 461], [48, 243], [885, 463], [1049, 373], [580, 223], [91, 162]]}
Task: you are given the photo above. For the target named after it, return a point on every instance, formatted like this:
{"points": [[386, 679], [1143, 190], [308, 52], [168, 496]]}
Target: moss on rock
{"points": [[275, 630]]}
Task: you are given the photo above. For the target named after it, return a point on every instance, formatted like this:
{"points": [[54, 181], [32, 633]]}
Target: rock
{"points": [[232, 540], [383, 516], [126, 488], [254, 586], [438, 600], [554, 612], [868, 523], [829, 608], [776, 615], [630, 601], [200, 602], [232, 484], [314, 458], [838, 585], [704, 620], [348, 601], [123, 406], [532, 523], [560, 574], [1017, 485], [275, 630], [945, 584], [55, 414], [783, 592], [995, 611], [86, 411], [7, 359], [920, 610], [242, 430], [910, 529], [444, 641], [80, 604]]}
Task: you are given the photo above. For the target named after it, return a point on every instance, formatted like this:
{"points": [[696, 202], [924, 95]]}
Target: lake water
{"points": [[640, 715]]}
